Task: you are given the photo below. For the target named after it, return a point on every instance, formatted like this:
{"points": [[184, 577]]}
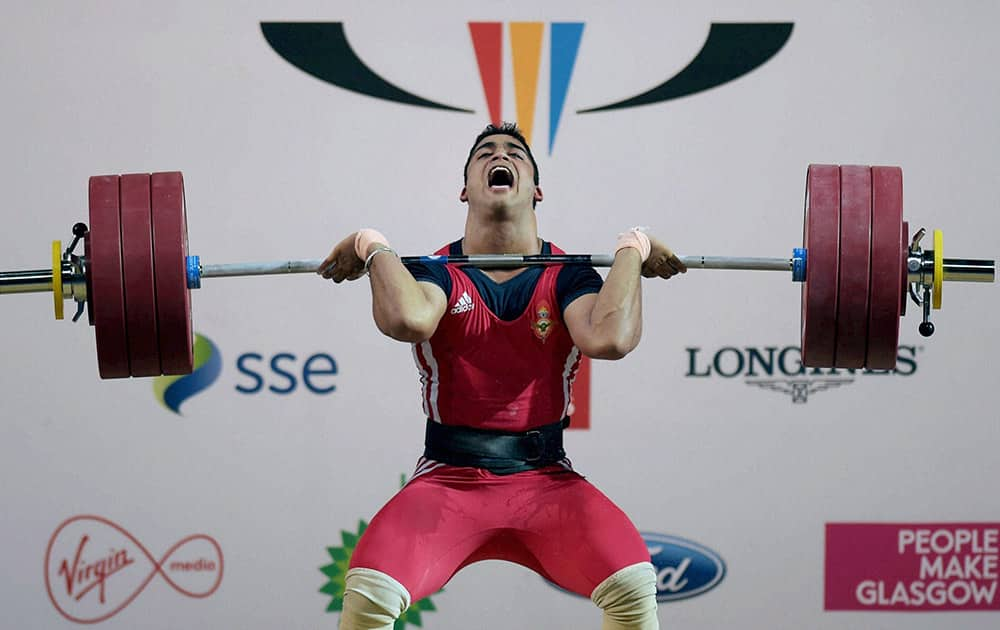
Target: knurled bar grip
{"points": [[497, 261]]}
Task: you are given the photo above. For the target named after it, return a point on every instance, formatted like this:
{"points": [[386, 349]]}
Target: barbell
{"points": [[857, 265]]}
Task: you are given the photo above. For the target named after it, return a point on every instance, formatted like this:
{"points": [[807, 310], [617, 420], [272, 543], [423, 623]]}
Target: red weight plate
{"points": [[888, 277], [821, 238], [104, 268], [855, 265], [140, 288], [173, 299]]}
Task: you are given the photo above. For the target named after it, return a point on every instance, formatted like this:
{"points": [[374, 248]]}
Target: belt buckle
{"points": [[534, 446]]}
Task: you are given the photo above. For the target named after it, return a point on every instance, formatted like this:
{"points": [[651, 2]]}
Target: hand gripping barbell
{"points": [[857, 265]]}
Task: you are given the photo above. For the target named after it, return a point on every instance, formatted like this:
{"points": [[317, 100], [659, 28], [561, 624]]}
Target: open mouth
{"points": [[500, 177]]}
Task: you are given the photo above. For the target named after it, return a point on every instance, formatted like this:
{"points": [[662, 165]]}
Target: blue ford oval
{"points": [[683, 568]]}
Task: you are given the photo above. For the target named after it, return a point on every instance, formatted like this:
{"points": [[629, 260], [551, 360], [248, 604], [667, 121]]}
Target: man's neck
{"points": [[494, 234]]}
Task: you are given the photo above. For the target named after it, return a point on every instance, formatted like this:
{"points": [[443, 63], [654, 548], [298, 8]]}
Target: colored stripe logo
{"points": [[730, 51], [173, 391], [526, 55]]}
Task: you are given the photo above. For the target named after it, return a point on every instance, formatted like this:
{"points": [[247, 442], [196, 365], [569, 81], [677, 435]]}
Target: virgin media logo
{"points": [[94, 568]]}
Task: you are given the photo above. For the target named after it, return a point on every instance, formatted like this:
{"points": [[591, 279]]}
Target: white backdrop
{"points": [[279, 164]]}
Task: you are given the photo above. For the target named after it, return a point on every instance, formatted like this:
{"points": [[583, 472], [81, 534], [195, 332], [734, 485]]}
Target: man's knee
{"points": [[372, 600], [628, 598]]}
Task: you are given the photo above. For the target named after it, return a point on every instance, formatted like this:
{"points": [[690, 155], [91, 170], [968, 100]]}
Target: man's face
{"points": [[500, 174]]}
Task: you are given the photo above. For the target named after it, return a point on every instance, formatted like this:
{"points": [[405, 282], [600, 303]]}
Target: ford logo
{"points": [[683, 568]]}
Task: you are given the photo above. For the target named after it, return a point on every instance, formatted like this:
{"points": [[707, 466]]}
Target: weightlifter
{"points": [[497, 352]]}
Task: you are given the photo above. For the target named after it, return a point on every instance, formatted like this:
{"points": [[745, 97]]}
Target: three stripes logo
{"points": [[463, 305], [730, 51]]}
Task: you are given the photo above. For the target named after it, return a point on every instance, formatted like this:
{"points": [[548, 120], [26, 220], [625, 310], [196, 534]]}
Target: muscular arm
{"points": [[608, 324], [403, 308]]}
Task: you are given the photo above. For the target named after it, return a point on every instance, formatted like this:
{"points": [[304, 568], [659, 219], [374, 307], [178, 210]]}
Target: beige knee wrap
{"points": [[372, 600], [628, 599]]}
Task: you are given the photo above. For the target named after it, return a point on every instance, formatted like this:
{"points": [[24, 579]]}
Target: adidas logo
{"points": [[463, 305]]}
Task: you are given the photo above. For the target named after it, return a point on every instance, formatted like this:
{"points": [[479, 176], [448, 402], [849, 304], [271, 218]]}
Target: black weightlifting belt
{"points": [[499, 452]]}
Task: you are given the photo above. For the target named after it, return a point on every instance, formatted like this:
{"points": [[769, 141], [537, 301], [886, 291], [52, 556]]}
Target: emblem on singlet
{"points": [[542, 325]]}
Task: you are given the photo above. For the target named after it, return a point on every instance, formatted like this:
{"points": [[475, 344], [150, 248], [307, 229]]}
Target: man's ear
{"points": [[463, 195], [538, 194]]}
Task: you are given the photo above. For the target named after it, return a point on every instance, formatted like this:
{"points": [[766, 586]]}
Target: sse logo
{"points": [[173, 391], [730, 51], [280, 373]]}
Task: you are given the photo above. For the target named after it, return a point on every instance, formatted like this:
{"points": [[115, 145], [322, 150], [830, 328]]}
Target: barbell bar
{"points": [[857, 266]]}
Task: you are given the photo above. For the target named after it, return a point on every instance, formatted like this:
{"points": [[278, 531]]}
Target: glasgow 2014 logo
{"points": [[730, 51]]}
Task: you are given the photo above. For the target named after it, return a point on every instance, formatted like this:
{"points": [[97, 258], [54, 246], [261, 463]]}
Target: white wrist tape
{"points": [[634, 238], [363, 240]]}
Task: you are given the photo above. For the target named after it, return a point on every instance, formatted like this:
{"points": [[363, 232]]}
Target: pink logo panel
{"points": [[912, 566]]}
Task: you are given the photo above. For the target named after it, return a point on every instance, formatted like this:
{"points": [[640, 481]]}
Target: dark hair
{"points": [[505, 129]]}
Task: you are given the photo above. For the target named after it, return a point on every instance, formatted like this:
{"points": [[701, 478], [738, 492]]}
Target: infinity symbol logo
{"points": [[94, 568]]}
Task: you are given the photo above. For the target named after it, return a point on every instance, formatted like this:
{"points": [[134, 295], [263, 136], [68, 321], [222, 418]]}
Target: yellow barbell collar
{"points": [[938, 268], [57, 290]]}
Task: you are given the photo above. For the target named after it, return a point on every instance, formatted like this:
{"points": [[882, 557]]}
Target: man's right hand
{"points": [[343, 262]]}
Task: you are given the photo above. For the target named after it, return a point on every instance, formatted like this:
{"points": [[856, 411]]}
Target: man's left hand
{"points": [[662, 262]]}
